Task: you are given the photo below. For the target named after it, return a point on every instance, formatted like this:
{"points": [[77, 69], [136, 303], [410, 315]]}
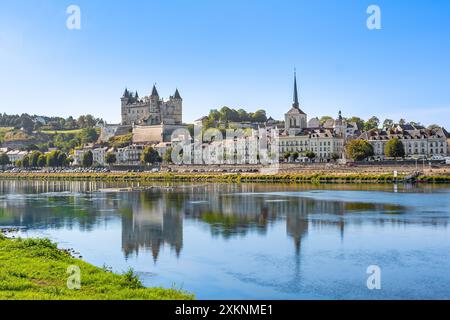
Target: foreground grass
{"points": [[231, 178], [36, 269]]}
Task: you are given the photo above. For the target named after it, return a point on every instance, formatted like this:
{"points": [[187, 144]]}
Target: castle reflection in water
{"points": [[154, 218]]}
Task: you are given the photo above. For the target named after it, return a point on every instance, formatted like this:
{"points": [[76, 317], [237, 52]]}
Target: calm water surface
{"points": [[249, 241]]}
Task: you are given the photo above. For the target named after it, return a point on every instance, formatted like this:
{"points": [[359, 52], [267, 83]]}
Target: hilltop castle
{"points": [[151, 110]]}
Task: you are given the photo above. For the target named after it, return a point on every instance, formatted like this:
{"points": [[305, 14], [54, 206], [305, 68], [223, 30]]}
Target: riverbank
{"points": [[35, 269], [310, 177]]}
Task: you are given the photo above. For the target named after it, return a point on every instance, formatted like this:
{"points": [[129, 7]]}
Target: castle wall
{"points": [[151, 110]]}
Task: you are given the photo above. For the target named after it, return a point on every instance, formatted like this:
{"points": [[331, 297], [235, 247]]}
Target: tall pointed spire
{"points": [[177, 94], [295, 104], [154, 91]]}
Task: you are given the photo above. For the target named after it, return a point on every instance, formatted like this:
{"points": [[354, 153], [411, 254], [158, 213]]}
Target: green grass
{"points": [[5, 129], [3, 132], [74, 131], [231, 178], [35, 269]]}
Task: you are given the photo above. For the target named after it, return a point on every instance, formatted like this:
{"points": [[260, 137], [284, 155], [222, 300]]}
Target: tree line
{"points": [[37, 159], [359, 150], [32, 123]]}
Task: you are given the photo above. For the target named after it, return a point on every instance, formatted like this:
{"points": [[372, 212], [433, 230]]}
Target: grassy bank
{"points": [[232, 178], [37, 269]]}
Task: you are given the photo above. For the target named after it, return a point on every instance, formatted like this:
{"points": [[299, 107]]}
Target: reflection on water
{"points": [[236, 219]]}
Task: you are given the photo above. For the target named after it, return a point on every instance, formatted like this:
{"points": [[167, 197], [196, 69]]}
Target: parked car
{"points": [[438, 158]]}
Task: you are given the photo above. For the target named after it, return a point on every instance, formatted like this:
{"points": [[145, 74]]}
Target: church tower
{"points": [[295, 119]]}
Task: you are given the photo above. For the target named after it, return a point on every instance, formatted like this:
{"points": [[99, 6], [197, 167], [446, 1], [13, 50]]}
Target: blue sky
{"points": [[238, 53]]}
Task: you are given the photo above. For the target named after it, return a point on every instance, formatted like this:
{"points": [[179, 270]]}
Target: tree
{"points": [[324, 119], [295, 155], [88, 135], [167, 157], [62, 160], [388, 123], [335, 156], [259, 116], [110, 158], [359, 122], [415, 124], [70, 160], [359, 150], [34, 157], [310, 155], [214, 115], [26, 161], [402, 122], [243, 115], [434, 127], [4, 159], [27, 124], [150, 155], [53, 159], [287, 155], [394, 149], [372, 123], [42, 161], [88, 159], [18, 163]]}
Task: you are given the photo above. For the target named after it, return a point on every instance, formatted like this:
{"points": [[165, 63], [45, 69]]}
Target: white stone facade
{"points": [[416, 140]]}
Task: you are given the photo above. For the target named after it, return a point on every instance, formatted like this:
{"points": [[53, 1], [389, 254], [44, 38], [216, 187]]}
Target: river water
{"points": [[249, 241]]}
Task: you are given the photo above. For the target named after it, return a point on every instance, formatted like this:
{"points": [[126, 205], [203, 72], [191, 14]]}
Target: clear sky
{"points": [[238, 53]]}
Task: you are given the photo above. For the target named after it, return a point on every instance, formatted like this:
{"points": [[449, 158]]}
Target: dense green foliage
{"points": [[4, 159], [150, 156], [394, 149], [34, 122], [35, 269], [311, 155], [359, 150], [88, 159], [121, 141], [110, 158], [167, 156], [37, 159], [228, 114]]}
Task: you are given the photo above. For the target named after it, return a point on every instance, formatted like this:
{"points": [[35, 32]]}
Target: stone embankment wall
{"points": [[312, 168]]}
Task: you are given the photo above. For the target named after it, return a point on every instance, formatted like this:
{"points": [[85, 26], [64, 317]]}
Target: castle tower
{"points": [[155, 104], [178, 104], [295, 118], [124, 102]]}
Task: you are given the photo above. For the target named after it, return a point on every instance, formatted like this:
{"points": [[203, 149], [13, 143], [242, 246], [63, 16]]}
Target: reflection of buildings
{"points": [[297, 228], [154, 218], [153, 223]]}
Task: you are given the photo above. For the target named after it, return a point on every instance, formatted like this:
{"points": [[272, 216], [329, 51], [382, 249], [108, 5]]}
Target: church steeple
{"points": [[295, 104]]}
